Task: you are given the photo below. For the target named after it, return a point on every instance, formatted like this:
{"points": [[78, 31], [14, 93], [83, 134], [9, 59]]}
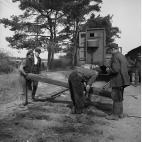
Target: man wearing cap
{"points": [[120, 79], [76, 82], [26, 67], [31, 64]]}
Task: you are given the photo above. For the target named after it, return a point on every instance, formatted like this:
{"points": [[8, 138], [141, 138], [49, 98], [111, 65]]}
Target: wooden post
{"points": [[46, 79]]}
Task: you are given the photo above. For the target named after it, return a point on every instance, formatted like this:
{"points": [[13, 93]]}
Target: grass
{"points": [[6, 65], [9, 86]]}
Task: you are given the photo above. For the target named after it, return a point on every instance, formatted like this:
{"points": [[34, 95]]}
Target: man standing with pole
{"points": [[32, 64], [120, 79]]}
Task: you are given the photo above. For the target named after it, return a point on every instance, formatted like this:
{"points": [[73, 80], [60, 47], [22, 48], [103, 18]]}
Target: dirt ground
{"points": [[50, 120]]}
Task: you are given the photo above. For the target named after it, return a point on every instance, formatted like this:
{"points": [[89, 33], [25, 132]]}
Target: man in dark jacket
{"points": [[120, 79], [31, 64], [76, 86]]}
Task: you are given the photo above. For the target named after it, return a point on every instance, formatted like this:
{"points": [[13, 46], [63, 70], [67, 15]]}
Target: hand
{"points": [[25, 74], [107, 69], [87, 88], [97, 73]]}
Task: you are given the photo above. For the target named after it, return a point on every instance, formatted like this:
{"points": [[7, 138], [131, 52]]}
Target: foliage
{"points": [[75, 12], [6, 66], [37, 26], [48, 16], [40, 22], [106, 23], [61, 63]]}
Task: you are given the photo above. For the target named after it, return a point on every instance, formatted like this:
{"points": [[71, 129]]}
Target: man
{"points": [[138, 69], [131, 66], [79, 78], [36, 70], [26, 67], [31, 64], [120, 79]]}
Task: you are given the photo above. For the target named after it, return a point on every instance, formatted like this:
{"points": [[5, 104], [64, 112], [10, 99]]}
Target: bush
{"points": [[6, 66], [43, 66], [61, 63], [10, 87]]}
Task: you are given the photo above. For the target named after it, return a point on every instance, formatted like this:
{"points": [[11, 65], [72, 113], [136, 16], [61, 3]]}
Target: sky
{"points": [[126, 16]]}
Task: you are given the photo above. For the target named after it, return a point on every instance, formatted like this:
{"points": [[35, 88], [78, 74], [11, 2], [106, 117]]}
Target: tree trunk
{"points": [[75, 36], [50, 54], [49, 58]]}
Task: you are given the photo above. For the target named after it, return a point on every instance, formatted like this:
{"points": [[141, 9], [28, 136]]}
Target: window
{"points": [[83, 35], [91, 34]]}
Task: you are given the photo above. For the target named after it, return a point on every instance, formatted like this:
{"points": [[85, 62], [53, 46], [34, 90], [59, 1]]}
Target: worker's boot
{"points": [[73, 110], [121, 115], [76, 110], [34, 92], [115, 113], [26, 96]]}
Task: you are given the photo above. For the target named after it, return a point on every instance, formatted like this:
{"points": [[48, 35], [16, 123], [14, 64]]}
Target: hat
{"points": [[38, 50], [114, 46], [29, 52]]}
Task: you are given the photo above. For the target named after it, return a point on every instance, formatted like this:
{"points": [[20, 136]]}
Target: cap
{"points": [[29, 52], [38, 50], [114, 46]]}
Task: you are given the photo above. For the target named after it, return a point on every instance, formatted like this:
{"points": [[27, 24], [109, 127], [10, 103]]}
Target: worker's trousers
{"points": [[76, 88], [27, 85]]}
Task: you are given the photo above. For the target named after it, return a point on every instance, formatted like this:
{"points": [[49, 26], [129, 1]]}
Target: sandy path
{"points": [[51, 121]]}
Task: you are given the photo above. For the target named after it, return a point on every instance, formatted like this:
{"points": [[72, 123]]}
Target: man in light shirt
{"points": [[36, 70]]}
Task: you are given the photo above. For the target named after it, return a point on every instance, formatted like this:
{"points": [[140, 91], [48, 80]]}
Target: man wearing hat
{"points": [[120, 79], [31, 64]]}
